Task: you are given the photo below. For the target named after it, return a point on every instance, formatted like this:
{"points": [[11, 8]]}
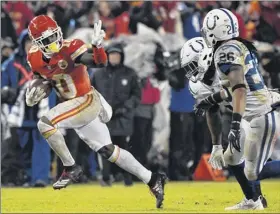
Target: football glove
{"points": [[34, 95], [234, 140], [98, 35], [217, 160], [201, 108]]}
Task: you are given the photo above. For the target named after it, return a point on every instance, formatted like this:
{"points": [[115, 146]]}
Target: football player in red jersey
{"points": [[63, 62]]}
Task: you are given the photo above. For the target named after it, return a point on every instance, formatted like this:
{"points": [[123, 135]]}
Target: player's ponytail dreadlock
{"points": [[249, 45]]}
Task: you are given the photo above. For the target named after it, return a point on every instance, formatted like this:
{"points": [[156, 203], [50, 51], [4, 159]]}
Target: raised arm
{"points": [[96, 55]]}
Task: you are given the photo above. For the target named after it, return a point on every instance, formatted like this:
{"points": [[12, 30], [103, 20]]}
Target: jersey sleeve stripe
{"points": [[78, 52], [231, 21]]}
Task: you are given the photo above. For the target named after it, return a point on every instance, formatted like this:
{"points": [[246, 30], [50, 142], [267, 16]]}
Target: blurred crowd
{"points": [[153, 116]]}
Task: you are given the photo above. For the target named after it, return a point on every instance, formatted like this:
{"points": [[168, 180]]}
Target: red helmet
{"points": [[46, 34]]}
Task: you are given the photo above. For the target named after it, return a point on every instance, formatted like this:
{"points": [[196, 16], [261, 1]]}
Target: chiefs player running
{"points": [[63, 62]]}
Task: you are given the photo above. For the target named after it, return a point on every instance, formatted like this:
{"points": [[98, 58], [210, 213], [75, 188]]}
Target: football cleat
{"points": [[158, 189], [68, 176], [264, 202], [246, 204]]}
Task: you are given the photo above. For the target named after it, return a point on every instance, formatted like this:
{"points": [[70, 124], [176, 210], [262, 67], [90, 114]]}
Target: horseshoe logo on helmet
{"points": [[214, 25], [199, 42]]}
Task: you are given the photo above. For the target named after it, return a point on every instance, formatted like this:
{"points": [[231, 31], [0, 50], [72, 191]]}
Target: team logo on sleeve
{"points": [[62, 64]]}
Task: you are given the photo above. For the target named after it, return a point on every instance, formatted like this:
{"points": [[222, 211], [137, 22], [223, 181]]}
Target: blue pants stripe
{"points": [[263, 143], [271, 136]]}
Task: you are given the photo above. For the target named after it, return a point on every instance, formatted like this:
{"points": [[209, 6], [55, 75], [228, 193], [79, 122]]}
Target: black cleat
{"points": [[68, 176], [264, 202], [105, 183], [158, 189]]}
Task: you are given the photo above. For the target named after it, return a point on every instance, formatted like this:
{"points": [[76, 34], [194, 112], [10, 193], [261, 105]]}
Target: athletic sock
{"points": [[246, 185], [57, 143], [153, 180], [126, 161]]}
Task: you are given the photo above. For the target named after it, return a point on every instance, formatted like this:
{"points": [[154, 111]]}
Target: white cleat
{"points": [[247, 205]]}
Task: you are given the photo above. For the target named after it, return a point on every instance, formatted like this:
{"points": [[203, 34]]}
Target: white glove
{"points": [[98, 35], [217, 160], [33, 96]]}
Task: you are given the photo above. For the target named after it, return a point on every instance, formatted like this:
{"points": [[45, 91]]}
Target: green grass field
{"points": [[90, 198]]}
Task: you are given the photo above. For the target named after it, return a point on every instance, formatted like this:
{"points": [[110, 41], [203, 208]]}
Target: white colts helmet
{"points": [[196, 58], [219, 25]]}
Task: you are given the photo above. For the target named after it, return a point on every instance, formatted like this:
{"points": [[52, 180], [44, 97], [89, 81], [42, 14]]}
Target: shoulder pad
{"points": [[228, 54], [76, 47]]}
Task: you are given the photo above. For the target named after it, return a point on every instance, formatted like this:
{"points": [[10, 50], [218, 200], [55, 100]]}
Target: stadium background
{"points": [[151, 34]]}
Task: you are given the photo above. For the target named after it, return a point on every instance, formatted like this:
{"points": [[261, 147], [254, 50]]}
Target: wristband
{"points": [[214, 98], [236, 120]]}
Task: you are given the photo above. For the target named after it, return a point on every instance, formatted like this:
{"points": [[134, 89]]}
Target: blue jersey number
{"points": [[253, 76]]}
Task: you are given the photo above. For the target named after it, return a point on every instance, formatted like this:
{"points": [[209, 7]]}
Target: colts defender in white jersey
{"points": [[236, 61], [196, 59]]}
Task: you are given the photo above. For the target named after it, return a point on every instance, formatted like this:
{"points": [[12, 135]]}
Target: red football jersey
{"points": [[71, 80]]}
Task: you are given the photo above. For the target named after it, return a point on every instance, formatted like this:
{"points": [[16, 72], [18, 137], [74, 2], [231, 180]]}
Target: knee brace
{"points": [[46, 128], [110, 152]]}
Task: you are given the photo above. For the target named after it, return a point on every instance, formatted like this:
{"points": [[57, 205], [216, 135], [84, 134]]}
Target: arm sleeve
{"points": [[93, 57], [36, 75]]}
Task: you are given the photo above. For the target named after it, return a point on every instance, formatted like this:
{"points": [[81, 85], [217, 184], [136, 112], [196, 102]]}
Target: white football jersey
{"points": [[258, 100]]}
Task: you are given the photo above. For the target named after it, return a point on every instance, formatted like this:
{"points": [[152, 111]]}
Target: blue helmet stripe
{"points": [[231, 20]]}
